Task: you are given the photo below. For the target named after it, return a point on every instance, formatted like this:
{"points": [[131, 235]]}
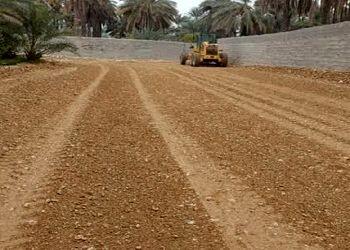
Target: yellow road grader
{"points": [[205, 52]]}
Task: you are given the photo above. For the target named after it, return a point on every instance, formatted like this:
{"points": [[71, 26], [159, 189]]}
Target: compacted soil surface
{"points": [[98, 154]]}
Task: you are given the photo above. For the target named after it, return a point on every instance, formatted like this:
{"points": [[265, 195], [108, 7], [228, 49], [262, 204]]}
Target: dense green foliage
{"points": [[146, 15], [159, 19], [29, 26], [246, 17]]}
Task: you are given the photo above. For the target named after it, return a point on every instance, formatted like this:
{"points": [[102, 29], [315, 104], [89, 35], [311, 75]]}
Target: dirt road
{"points": [[154, 155]]}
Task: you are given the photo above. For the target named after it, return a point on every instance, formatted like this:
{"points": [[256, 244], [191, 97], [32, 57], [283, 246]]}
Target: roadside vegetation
{"points": [[159, 19], [28, 31]]}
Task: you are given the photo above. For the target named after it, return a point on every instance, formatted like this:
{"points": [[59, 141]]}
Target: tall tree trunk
{"points": [[83, 19], [97, 30], [312, 12], [326, 6], [336, 13], [287, 16]]}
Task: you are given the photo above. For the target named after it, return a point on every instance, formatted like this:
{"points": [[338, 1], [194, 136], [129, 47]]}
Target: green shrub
{"points": [[187, 38], [301, 22], [9, 43], [34, 25], [9, 27], [12, 61]]}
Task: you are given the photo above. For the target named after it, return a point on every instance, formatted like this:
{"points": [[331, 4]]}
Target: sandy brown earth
{"points": [[154, 155]]}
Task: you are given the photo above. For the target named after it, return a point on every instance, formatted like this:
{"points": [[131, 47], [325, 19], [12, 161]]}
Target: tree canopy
{"points": [[29, 26], [159, 19]]}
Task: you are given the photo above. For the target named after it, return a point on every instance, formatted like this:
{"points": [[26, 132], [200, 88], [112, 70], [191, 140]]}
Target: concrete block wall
{"points": [[317, 47], [110, 48]]}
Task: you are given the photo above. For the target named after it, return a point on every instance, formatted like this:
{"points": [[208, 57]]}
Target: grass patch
{"points": [[12, 61]]}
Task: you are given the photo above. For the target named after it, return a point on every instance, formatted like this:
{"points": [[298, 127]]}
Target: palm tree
{"points": [[251, 21], [285, 10], [148, 15], [334, 11], [9, 10], [31, 23], [90, 14], [189, 23], [221, 16], [208, 8], [10, 23], [99, 12], [230, 16]]}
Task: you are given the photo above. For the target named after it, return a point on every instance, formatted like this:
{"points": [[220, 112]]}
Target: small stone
{"points": [[51, 200], [26, 205], [138, 247], [154, 208], [32, 222], [190, 222], [138, 226], [80, 237]]}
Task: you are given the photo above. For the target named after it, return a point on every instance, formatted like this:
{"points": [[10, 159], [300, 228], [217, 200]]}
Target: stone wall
{"points": [[111, 48], [317, 47]]}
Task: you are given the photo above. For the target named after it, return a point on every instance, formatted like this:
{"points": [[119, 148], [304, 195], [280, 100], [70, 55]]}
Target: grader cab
{"points": [[205, 51]]}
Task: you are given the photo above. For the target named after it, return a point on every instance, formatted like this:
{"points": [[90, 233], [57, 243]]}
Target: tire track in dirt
{"points": [[259, 92], [320, 82], [226, 200], [325, 105], [21, 200], [120, 186], [26, 110], [310, 97], [265, 112], [281, 108], [43, 74]]}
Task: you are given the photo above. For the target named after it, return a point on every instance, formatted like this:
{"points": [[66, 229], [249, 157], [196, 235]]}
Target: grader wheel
{"points": [[183, 58], [224, 60], [195, 62]]}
